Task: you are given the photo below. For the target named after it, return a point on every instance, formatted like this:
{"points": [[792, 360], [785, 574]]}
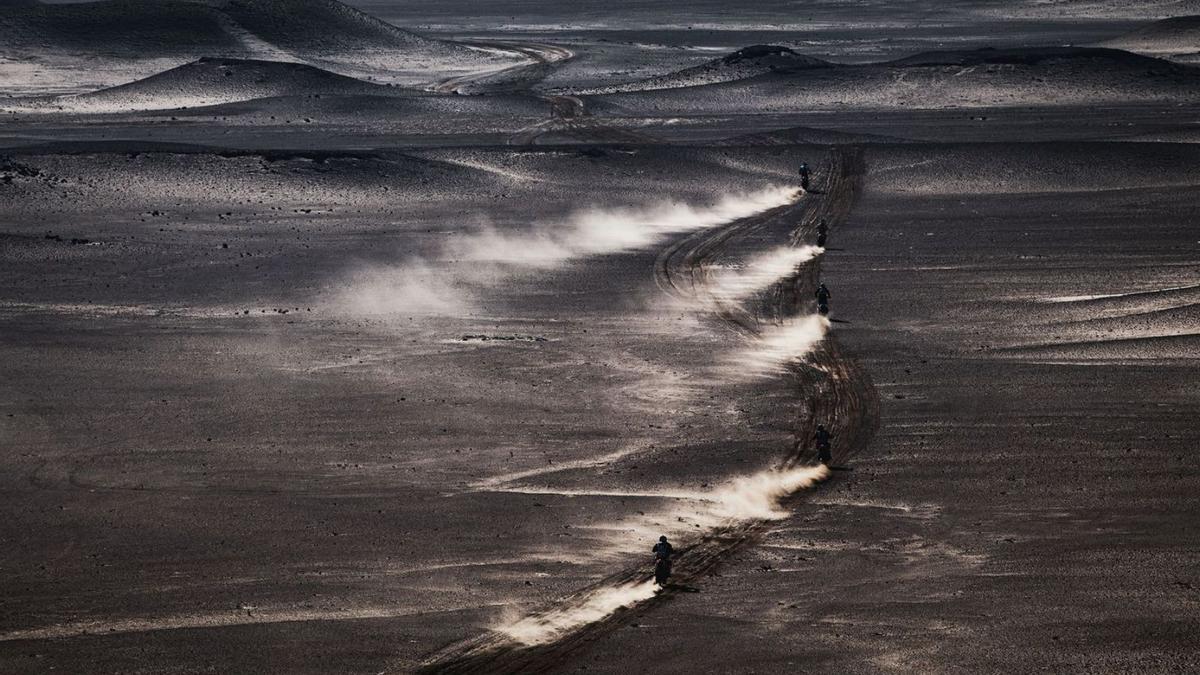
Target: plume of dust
{"points": [[412, 288], [745, 499], [603, 602], [757, 496], [425, 287], [779, 347], [760, 272], [610, 230]]}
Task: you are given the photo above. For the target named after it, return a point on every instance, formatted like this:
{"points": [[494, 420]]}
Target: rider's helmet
{"points": [[663, 539]]}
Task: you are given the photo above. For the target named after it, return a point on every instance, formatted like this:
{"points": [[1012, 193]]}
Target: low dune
{"points": [[740, 65], [389, 110], [73, 47], [1176, 38], [204, 83], [975, 78]]}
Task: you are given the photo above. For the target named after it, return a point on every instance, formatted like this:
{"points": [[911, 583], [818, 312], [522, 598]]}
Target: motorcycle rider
{"points": [[822, 233], [824, 445], [804, 176], [662, 561], [823, 296]]}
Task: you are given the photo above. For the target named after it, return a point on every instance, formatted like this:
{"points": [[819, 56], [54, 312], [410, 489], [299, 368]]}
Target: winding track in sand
{"points": [[836, 388], [541, 57], [568, 115]]}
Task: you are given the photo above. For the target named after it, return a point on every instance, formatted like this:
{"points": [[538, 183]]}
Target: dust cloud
{"points": [[451, 283]]}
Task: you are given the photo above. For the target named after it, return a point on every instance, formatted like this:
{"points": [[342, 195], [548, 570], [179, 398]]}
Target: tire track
{"points": [[568, 114], [838, 390], [543, 58], [682, 269]]}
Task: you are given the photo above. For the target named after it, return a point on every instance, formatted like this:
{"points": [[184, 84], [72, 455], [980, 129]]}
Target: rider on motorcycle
{"points": [[804, 176], [822, 233], [823, 296], [824, 445], [662, 561]]}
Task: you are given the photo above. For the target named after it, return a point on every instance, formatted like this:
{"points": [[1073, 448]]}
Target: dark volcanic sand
{"points": [[250, 423], [1030, 500]]}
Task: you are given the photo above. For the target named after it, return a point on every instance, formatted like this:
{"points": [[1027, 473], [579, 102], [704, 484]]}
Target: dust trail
{"points": [[751, 497], [744, 500], [543, 628], [610, 230], [414, 288], [780, 347], [731, 285], [757, 496], [450, 282]]}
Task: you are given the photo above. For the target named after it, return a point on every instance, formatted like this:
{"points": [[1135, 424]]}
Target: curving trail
{"points": [[838, 390], [542, 58], [569, 116]]}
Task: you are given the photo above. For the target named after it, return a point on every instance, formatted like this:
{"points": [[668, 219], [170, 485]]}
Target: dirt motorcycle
{"points": [[825, 454], [662, 570]]}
